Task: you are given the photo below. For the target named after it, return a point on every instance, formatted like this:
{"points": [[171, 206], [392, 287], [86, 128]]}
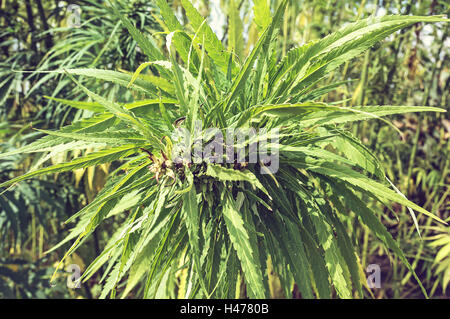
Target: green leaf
{"points": [[317, 264], [81, 105], [240, 238], [191, 212], [283, 110], [306, 65], [122, 113], [239, 82], [235, 30], [261, 10], [368, 217], [333, 258], [293, 248], [205, 35], [115, 137], [375, 189], [181, 43], [92, 159], [359, 113], [113, 77], [228, 174], [146, 43]]}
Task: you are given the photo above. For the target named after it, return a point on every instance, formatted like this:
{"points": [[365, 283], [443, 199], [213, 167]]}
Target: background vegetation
{"points": [[410, 68]]}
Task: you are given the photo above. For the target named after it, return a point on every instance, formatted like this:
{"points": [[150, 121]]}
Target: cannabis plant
{"points": [[206, 215]]}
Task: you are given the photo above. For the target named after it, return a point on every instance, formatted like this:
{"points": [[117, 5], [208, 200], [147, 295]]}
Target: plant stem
{"points": [[48, 36]]}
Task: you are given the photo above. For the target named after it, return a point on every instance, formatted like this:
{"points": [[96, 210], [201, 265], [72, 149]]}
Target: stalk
{"points": [[362, 87], [30, 20]]}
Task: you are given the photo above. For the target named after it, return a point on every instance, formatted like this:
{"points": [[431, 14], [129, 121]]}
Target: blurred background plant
{"points": [[36, 37], [410, 68]]}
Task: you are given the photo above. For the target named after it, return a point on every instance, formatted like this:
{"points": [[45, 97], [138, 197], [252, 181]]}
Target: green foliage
{"points": [[195, 228]]}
